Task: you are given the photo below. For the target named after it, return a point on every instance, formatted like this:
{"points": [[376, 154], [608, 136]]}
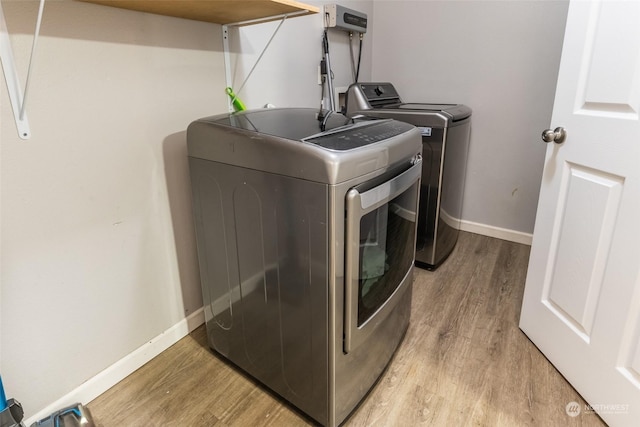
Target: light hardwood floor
{"points": [[463, 362]]}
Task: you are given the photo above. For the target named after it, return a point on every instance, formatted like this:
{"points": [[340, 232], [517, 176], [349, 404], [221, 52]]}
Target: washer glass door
{"points": [[381, 230]]}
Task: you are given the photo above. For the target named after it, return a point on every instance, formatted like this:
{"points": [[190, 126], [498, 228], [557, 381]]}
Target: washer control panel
{"points": [[379, 91], [369, 96]]}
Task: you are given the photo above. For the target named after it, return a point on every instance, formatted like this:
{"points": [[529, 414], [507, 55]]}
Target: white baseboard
{"points": [[115, 373], [497, 232], [194, 320]]}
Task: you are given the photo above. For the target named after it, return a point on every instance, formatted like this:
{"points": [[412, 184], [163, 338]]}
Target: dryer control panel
{"points": [[360, 135]]}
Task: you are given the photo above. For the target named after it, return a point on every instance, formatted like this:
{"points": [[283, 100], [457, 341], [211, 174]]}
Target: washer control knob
{"points": [[379, 90]]}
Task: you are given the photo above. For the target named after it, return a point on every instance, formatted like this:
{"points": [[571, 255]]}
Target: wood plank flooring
{"points": [[463, 362]]}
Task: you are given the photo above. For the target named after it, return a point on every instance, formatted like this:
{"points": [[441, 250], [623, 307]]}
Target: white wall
{"points": [[287, 74], [499, 57], [97, 243]]}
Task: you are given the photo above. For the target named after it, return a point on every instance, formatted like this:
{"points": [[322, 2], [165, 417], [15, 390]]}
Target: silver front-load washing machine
{"points": [[445, 130], [306, 233]]}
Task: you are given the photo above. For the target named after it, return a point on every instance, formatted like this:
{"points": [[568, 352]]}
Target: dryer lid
{"points": [[288, 123]]}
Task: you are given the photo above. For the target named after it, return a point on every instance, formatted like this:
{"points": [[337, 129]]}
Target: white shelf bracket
{"points": [[227, 52], [227, 62], [17, 97]]}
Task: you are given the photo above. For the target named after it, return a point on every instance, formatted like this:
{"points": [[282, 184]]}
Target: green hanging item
{"points": [[235, 101]]}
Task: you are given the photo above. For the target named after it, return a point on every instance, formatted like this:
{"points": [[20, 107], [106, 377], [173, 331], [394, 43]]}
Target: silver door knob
{"points": [[558, 135]]}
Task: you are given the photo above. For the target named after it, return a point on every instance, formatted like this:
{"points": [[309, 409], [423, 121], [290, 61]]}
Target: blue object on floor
{"points": [[11, 412], [72, 416], [3, 397]]}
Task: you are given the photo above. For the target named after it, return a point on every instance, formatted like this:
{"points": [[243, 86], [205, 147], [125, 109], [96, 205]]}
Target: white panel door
{"points": [[581, 304]]}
